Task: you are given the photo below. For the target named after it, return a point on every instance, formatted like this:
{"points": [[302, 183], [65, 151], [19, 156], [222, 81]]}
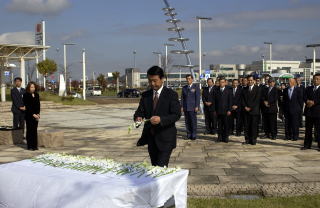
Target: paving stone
{"points": [[307, 177], [203, 179], [307, 170], [243, 171], [208, 171], [278, 164], [238, 180], [278, 171], [276, 179]]}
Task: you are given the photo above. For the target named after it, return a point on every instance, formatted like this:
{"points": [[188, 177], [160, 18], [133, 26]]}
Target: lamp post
{"points": [[65, 63], [84, 74], [200, 44], [314, 46], [134, 58], [166, 64], [270, 54], [263, 69], [159, 54]]}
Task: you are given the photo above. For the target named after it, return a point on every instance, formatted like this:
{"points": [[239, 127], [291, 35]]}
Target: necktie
{"points": [[315, 88], [270, 89], [210, 89], [221, 90], [155, 100], [290, 93], [234, 91]]}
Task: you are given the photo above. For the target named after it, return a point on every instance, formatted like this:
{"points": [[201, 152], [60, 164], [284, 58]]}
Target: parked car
{"points": [[94, 91], [129, 93], [75, 95]]}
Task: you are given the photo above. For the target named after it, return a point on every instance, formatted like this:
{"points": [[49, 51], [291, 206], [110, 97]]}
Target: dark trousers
{"points": [[251, 128], [291, 123], [223, 128], [312, 123], [235, 117], [270, 124], [32, 133], [300, 120], [191, 123], [18, 120], [210, 121], [158, 157]]}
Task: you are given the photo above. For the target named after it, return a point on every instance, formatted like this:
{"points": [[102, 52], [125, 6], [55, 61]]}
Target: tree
{"points": [[47, 67], [116, 76], [102, 81]]}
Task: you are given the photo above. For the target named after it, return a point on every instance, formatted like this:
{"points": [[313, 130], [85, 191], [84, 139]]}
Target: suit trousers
{"points": [[32, 133], [210, 121], [223, 128], [312, 123], [251, 128], [235, 117], [157, 157], [18, 120], [270, 121], [191, 123], [291, 123]]}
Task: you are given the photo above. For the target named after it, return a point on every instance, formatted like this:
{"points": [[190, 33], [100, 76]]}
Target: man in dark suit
{"points": [[18, 108], [303, 90], [270, 110], [160, 105], [251, 102], [223, 100], [312, 113], [236, 108], [208, 95], [190, 102], [292, 108], [280, 100]]}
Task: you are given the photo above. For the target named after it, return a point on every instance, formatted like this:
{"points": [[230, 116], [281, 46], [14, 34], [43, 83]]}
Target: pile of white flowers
{"points": [[101, 166]]}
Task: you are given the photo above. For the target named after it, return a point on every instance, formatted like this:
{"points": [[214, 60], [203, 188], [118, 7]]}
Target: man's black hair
{"points": [[251, 76], [189, 75], [316, 75], [18, 78], [210, 79], [156, 70]]}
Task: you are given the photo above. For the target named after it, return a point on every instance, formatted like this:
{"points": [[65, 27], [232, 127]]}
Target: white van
{"points": [[94, 91]]}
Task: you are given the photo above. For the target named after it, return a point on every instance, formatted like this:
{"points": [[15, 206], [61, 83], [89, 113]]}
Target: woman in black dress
{"points": [[32, 103]]}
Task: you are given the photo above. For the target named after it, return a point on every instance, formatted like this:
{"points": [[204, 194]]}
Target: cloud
{"points": [[35, 7], [74, 35], [24, 37]]}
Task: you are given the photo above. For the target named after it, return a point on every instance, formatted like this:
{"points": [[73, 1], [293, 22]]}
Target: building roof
{"points": [[17, 51]]}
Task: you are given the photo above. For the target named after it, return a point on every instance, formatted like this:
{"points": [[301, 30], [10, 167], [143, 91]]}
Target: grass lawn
{"points": [[47, 96], [272, 202]]}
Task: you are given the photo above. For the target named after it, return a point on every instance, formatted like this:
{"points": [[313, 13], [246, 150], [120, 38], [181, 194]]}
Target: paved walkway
{"points": [[271, 168]]}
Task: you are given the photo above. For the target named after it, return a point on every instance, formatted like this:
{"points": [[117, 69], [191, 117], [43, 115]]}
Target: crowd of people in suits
{"points": [[26, 110], [247, 106]]}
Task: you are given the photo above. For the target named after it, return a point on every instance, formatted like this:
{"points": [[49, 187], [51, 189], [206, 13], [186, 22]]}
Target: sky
{"points": [[110, 30]]}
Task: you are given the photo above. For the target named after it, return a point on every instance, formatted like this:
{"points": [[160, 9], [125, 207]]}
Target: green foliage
{"points": [[69, 100], [102, 81], [47, 67]]}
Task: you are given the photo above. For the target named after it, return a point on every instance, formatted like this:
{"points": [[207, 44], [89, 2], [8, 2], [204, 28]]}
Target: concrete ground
{"points": [[271, 168]]}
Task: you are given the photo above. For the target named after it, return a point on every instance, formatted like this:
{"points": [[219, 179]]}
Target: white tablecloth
{"points": [[27, 184]]}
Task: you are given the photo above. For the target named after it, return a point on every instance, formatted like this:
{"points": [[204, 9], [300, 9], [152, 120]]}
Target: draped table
{"points": [[29, 184]]}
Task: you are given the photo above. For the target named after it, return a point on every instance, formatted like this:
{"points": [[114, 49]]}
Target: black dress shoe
{"points": [[238, 134], [295, 139], [194, 138], [186, 138], [245, 143], [274, 137], [304, 148]]}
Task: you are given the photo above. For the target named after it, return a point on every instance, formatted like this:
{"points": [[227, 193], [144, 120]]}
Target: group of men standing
{"points": [[246, 104]]}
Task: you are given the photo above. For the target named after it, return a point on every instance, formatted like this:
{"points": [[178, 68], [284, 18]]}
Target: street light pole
{"points": [[134, 58], [166, 64], [314, 46], [84, 74], [270, 55], [65, 64], [200, 44], [159, 58]]}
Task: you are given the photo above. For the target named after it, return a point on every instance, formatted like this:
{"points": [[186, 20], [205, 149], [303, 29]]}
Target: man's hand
{"points": [[247, 109], [139, 119], [228, 113], [310, 103], [266, 103], [234, 107], [155, 120], [36, 116], [22, 108], [196, 109], [208, 103]]}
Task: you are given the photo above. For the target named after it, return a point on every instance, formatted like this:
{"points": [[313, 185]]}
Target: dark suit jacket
{"points": [[169, 110], [208, 97], [17, 100], [314, 111], [252, 100], [190, 98], [272, 98], [295, 104], [32, 104], [223, 101], [236, 99]]}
